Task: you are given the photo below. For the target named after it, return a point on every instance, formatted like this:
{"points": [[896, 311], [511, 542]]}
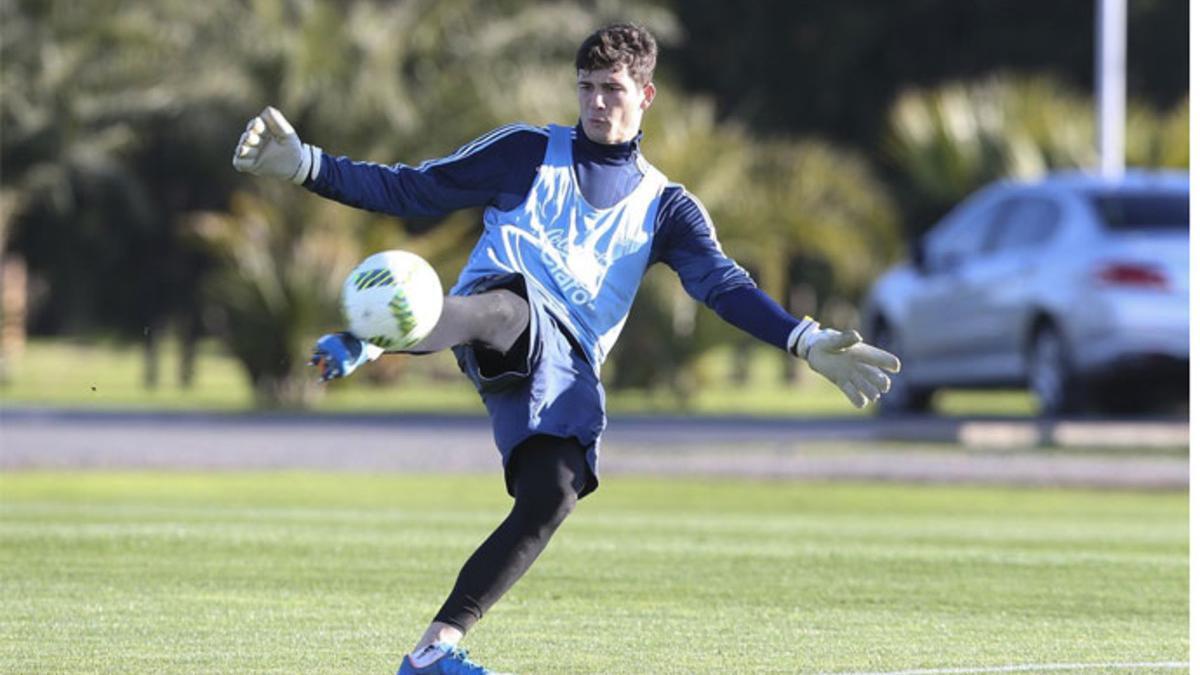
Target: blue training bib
{"points": [[582, 263]]}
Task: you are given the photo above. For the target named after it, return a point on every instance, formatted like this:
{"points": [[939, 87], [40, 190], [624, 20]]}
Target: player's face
{"points": [[611, 104]]}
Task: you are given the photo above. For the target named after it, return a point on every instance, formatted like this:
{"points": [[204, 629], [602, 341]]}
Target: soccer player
{"points": [[572, 219]]}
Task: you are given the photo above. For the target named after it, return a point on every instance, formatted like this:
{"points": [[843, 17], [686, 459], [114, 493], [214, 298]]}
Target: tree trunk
{"points": [[151, 346], [189, 341], [14, 283], [740, 375]]}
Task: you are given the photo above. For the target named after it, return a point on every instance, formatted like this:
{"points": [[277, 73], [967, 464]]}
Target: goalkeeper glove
{"points": [[844, 359], [270, 147], [339, 354]]}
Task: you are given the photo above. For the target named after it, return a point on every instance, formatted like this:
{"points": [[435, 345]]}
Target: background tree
{"points": [[119, 120], [99, 155], [947, 142], [833, 68]]}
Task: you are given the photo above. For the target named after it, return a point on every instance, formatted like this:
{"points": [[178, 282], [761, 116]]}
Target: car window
{"points": [[1143, 211], [1026, 223], [964, 236]]}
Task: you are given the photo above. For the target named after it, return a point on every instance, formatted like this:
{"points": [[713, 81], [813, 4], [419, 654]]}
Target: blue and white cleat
{"points": [[451, 661]]}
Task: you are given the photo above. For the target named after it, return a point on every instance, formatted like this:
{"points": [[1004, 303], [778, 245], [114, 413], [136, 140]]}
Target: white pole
{"points": [[1110, 83]]}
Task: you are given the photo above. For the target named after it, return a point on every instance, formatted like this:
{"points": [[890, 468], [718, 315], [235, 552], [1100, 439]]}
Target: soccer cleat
{"points": [[339, 354], [453, 661]]}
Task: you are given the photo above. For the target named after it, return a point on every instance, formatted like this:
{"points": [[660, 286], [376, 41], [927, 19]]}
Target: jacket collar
{"points": [[608, 154]]}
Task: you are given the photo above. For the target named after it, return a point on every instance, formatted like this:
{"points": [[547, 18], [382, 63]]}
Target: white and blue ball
{"points": [[393, 299]]}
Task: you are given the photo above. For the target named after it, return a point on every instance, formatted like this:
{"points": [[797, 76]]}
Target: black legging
{"points": [[546, 476]]}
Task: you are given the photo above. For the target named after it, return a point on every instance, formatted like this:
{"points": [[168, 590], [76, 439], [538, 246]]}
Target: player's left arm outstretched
{"points": [[687, 243]]}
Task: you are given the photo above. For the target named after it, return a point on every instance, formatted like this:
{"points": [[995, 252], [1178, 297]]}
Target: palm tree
{"points": [[126, 113], [277, 280], [1158, 139], [85, 86], [947, 142]]}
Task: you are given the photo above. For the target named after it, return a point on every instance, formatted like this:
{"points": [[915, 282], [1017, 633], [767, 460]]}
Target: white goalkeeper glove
{"points": [[270, 147], [857, 368]]}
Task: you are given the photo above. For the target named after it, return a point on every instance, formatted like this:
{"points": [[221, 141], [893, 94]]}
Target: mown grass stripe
{"points": [[1038, 667], [304, 572]]}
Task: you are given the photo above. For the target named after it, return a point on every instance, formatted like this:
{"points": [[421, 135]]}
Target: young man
{"points": [[573, 217]]}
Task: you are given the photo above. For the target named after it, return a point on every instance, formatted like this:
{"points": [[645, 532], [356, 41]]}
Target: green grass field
{"points": [[297, 572], [95, 375]]}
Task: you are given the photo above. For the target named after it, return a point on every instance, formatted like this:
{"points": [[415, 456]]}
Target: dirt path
{"points": [[923, 449]]}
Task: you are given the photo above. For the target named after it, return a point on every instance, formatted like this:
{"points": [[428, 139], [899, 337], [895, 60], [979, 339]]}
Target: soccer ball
{"points": [[392, 299]]}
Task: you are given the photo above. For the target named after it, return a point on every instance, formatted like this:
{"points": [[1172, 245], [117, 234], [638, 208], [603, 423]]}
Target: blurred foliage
{"points": [[1158, 140], [102, 148], [117, 121], [947, 142], [280, 274], [833, 68]]}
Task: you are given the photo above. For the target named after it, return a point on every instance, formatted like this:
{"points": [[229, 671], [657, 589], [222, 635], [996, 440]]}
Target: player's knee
{"points": [[508, 312], [546, 507]]}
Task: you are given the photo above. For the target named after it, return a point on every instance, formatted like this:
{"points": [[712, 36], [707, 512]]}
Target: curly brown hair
{"points": [[620, 44]]}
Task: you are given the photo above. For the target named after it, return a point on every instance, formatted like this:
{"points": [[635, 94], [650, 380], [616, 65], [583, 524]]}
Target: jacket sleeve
{"points": [[482, 172], [686, 241]]}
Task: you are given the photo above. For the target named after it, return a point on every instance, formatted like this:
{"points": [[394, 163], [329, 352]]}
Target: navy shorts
{"points": [[543, 385]]}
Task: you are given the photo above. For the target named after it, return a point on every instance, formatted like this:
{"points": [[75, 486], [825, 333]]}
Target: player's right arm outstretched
{"points": [[495, 169]]}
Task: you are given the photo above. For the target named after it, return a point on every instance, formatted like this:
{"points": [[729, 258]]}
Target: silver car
{"points": [[1073, 286]]}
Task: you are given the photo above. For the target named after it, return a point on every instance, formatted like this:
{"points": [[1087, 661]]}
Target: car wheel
{"points": [[1051, 381], [903, 398]]}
